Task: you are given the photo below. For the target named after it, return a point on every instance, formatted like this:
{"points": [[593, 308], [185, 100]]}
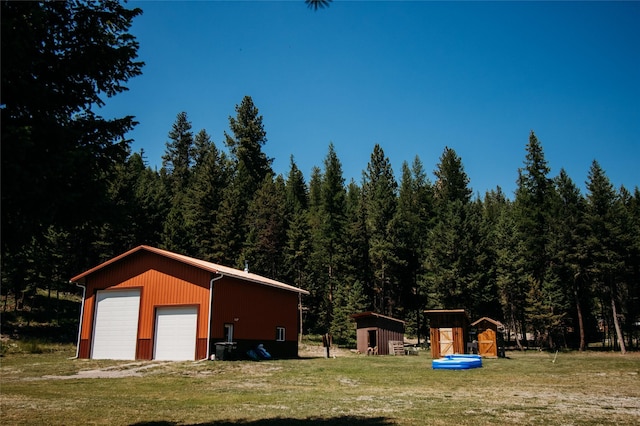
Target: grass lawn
{"points": [[526, 388]]}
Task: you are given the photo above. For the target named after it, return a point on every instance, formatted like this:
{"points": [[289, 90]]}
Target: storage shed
{"points": [[490, 337], [374, 332], [150, 303], [449, 328]]}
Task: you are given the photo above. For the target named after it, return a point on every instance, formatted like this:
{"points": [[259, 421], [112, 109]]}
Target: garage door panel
{"points": [[175, 336], [116, 324]]}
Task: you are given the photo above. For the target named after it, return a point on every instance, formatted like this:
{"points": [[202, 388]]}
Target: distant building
{"points": [[375, 331], [490, 337], [449, 331]]}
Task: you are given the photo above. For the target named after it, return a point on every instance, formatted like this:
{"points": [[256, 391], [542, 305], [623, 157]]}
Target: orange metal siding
{"points": [[163, 282], [254, 310]]}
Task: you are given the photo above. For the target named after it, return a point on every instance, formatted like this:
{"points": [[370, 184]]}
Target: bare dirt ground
{"points": [[134, 369], [140, 368]]}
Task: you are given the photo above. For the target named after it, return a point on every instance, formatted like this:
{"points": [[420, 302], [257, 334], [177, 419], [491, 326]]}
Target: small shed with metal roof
{"points": [[449, 330], [378, 334], [150, 303]]}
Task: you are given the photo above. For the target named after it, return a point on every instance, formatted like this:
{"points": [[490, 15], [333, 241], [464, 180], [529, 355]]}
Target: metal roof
{"points": [[374, 314], [202, 264]]}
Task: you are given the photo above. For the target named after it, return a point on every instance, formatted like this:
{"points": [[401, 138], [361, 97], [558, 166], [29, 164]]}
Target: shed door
{"points": [[176, 333], [487, 343], [373, 338], [115, 329], [446, 341]]}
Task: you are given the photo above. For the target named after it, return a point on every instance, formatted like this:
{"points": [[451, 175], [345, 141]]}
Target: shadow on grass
{"points": [[342, 420]]}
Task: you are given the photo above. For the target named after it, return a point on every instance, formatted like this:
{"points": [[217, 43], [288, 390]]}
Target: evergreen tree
{"points": [[248, 170], [177, 233], [480, 228], [210, 177], [487, 301], [153, 201], [245, 147], [178, 230], [228, 229], [298, 246], [137, 208], [333, 213], [178, 158], [202, 146], [511, 275], [266, 234], [605, 262], [328, 221], [119, 233], [379, 190], [533, 208], [450, 259], [316, 301], [626, 233], [569, 252], [358, 267], [632, 205], [452, 183], [411, 225], [350, 296], [55, 149], [349, 299], [60, 60], [297, 192]]}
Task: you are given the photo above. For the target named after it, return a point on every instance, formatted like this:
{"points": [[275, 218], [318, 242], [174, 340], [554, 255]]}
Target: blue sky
{"points": [[412, 76]]}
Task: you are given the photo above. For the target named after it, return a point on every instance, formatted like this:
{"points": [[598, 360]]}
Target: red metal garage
{"points": [[150, 303]]}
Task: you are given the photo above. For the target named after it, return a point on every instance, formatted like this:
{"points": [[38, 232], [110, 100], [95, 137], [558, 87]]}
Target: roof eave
{"points": [[207, 266]]}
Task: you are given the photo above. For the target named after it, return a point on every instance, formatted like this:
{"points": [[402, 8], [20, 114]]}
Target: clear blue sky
{"points": [[412, 76]]}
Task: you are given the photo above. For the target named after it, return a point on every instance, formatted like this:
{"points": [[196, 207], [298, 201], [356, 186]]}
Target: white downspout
{"points": [[84, 292], [211, 313]]}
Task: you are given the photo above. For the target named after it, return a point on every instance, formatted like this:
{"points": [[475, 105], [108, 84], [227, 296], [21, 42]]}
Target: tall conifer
{"points": [[379, 190], [605, 263]]}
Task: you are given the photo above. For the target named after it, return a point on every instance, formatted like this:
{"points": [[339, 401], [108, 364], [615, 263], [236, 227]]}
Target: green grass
{"points": [[528, 388]]}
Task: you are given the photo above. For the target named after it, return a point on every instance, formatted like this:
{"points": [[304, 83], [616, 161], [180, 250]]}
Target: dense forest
{"points": [[549, 261]]}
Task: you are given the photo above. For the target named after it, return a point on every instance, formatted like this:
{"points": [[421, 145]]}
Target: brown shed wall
{"points": [[387, 329], [459, 324]]}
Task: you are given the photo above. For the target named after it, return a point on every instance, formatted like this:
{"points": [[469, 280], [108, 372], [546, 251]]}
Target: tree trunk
{"points": [[583, 343], [518, 343], [616, 323]]}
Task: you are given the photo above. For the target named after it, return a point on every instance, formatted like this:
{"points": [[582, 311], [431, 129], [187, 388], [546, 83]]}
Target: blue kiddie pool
{"points": [[457, 362]]}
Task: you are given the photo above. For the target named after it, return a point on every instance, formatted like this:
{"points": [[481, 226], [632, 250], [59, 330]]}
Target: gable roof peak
{"points": [[198, 263]]}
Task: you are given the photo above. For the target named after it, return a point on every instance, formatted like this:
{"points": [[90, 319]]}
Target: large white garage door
{"points": [[115, 329], [176, 333]]}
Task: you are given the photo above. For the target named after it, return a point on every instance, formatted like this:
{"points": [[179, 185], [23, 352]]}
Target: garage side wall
{"points": [[163, 282], [255, 311]]}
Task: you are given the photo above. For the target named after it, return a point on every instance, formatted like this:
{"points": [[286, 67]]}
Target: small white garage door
{"points": [[176, 333], [115, 330]]}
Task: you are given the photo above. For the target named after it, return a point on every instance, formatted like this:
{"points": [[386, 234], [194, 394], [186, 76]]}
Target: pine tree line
{"points": [[552, 263]]}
